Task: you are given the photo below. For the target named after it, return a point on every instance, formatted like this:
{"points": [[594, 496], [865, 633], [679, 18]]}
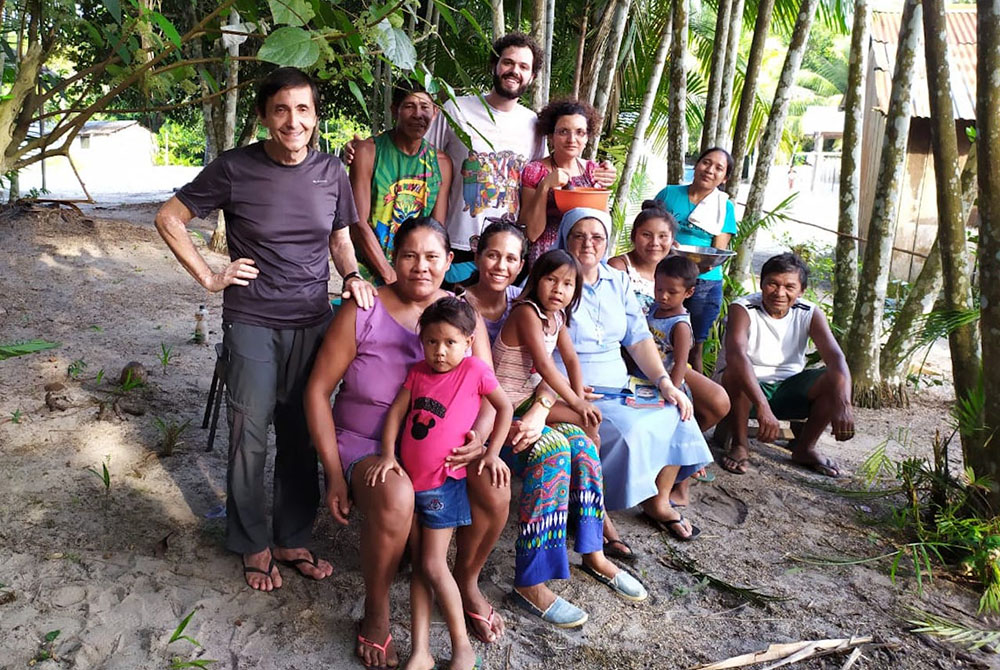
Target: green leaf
{"points": [[291, 12], [475, 24], [357, 94], [289, 46], [446, 14], [167, 27], [52, 635], [395, 45], [28, 347], [115, 9], [95, 34]]}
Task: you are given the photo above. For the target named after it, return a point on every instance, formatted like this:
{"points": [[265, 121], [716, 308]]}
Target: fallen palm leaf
{"points": [[852, 659], [13, 349], [953, 631], [785, 654], [677, 561]]}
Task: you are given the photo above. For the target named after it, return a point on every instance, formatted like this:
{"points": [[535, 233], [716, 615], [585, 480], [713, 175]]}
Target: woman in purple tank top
{"points": [[370, 351]]}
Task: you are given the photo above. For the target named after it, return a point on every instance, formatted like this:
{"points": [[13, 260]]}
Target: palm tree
{"points": [[677, 124], [716, 77], [988, 136], [866, 323], [499, 24], [606, 81], [722, 136], [745, 114], [963, 341], [772, 135], [845, 277]]}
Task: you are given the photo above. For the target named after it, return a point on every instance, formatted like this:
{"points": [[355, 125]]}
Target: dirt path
{"points": [[94, 565]]}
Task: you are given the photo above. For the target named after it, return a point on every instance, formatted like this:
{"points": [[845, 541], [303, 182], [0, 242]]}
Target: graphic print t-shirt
{"points": [[403, 187], [487, 179], [443, 408]]}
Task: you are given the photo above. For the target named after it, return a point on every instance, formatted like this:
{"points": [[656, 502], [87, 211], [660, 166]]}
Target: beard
{"points": [[498, 86]]}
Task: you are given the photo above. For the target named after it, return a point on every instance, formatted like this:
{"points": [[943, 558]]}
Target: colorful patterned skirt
{"points": [[562, 485]]}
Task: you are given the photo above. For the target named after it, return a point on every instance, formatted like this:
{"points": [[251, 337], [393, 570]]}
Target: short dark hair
{"points": [[404, 89], [678, 267], [729, 158], [653, 210], [450, 310], [552, 112], [284, 77], [786, 262], [410, 226], [546, 264], [516, 40], [496, 228]]}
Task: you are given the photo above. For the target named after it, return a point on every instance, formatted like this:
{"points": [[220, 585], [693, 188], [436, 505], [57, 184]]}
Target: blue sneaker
{"points": [[560, 613], [623, 584]]}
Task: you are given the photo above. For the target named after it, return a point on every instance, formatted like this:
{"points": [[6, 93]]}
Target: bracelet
{"points": [[351, 275], [661, 378]]}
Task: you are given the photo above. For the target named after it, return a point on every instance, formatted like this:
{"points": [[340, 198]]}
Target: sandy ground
{"points": [[115, 571]]}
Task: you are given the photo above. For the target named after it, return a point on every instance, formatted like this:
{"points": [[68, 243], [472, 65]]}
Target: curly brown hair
{"points": [[552, 112]]}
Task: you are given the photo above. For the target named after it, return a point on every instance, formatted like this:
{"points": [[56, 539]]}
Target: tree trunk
{"points": [[866, 323], [598, 48], [550, 19], [580, 48], [232, 93], [538, 94], [988, 139], [499, 23], [724, 125], [710, 122], [845, 276], [676, 122], [772, 135], [896, 353], [642, 122], [963, 341], [607, 79], [745, 113]]}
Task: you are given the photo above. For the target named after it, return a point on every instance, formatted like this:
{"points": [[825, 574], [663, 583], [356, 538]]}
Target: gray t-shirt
{"points": [[281, 216]]}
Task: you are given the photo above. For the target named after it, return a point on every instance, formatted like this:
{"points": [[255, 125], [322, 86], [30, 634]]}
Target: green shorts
{"points": [[789, 398]]}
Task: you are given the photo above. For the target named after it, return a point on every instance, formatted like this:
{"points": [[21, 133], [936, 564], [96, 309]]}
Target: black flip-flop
{"points": [[249, 569], [611, 552], [296, 562], [670, 526], [735, 469]]}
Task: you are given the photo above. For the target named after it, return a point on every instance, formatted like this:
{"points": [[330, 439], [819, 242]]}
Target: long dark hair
{"points": [[729, 159], [546, 264]]}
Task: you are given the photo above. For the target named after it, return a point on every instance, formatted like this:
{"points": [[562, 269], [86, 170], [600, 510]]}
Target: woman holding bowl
{"points": [[705, 218], [644, 452], [568, 125]]}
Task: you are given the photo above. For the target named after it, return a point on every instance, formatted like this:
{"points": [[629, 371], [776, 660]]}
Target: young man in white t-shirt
{"points": [[762, 366]]}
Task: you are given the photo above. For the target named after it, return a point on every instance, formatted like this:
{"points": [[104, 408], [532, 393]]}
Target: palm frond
{"points": [[969, 637]]}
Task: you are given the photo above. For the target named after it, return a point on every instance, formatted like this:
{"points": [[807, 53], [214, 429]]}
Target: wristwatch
{"points": [[351, 275], [545, 401]]}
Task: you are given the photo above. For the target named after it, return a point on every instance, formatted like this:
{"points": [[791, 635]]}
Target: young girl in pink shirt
{"points": [[436, 408]]}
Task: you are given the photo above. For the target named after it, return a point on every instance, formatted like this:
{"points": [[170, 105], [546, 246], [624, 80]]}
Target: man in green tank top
{"points": [[395, 176]]}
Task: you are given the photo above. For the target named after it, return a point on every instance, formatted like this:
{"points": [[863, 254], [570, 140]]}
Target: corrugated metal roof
{"points": [[961, 27]]}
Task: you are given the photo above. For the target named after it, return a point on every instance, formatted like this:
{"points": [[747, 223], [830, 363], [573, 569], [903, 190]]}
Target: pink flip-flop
{"points": [[488, 620]]}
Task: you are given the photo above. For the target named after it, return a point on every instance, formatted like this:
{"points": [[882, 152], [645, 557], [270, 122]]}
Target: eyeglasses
{"points": [[582, 238], [579, 133]]}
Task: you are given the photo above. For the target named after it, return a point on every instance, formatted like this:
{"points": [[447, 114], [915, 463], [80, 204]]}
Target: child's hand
{"points": [[499, 472], [589, 412], [380, 469]]}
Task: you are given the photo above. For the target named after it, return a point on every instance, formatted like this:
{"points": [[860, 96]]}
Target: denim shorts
{"points": [[446, 506], [704, 307]]}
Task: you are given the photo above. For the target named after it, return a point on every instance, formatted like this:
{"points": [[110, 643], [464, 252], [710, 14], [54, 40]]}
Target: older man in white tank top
{"points": [[762, 367]]}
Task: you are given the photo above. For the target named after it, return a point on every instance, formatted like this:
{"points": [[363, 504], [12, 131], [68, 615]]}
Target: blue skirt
{"points": [[637, 443]]}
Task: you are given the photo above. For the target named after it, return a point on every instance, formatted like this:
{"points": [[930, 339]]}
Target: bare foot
{"points": [[304, 561], [375, 647], [680, 495], [259, 571], [463, 657], [420, 661], [815, 461], [737, 459]]}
